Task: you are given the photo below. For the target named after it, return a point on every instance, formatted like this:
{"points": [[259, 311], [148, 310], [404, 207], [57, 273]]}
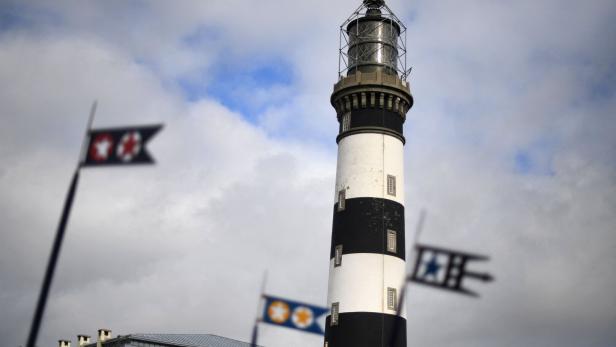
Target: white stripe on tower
{"points": [[361, 284], [367, 255], [364, 162]]}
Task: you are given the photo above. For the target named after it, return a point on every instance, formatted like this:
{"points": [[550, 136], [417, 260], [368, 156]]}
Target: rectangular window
{"points": [[391, 298], [391, 241], [341, 200], [338, 256], [346, 122], [391, 185], [335, 311]]}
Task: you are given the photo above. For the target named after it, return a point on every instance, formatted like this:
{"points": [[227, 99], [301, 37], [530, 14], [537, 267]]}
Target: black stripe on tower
{"points": [[365, 226], [366, 329], [372, 120]]}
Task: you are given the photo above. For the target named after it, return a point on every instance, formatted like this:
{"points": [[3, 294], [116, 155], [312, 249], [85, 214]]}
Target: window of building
{"points": [[391, 185], [391, 241], [338, 256], [335, 312], [341, 200], [391, 298], [346, 122]]}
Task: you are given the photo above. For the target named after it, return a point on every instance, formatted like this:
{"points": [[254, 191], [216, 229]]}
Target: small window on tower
{"points": [[391, 241], [391, 185], [346, 122], [338, 256], [391, 299], [335, 311], [341, 200]]}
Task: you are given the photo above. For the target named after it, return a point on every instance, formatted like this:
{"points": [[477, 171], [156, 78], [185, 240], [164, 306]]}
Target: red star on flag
{"points": [[129, 146]]}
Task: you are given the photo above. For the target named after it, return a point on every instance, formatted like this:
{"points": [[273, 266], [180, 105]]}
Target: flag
{"points": [[293, 314], [446, 269], [119, 146]]}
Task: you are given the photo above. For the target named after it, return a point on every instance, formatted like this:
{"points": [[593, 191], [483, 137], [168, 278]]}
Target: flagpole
{"points": [[407, 276], [253, 340], [86, 138], [57, 244]]}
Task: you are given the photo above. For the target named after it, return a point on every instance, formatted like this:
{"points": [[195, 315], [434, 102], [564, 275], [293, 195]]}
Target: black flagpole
{"points": [[407, 277], [57, 244], [254, 338], [53, 259]]}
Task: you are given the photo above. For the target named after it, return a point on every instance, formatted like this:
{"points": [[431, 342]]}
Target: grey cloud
{"points": [[154, 249]]}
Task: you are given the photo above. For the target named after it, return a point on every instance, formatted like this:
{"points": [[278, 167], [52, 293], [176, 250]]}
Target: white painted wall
{"points": [[360, 283], [364, 161]]}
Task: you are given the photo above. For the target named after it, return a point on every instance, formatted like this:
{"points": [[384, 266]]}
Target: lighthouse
{"points": [[367, 256]]}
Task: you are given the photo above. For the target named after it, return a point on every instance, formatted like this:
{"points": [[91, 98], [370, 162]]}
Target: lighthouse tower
{"points": [[367, 258]]}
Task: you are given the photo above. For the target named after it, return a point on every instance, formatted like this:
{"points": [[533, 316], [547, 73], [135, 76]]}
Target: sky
{"points": [[511, 149]]}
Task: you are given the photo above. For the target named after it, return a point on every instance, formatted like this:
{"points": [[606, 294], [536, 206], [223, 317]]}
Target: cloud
{"points": [[130, 229], [241, 188]]}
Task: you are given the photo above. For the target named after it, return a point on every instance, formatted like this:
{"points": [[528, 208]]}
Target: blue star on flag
{"points": [[432, 268]]}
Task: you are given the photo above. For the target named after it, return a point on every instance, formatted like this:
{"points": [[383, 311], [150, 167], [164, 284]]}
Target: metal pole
{"points": [[340, 54], [253, 340], [86, 137], [57, 244], [419, 228], [53, 259]]}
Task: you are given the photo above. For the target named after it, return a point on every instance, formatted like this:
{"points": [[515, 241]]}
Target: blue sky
{"points": [[235, 80], [510, 148], [233, 75]]}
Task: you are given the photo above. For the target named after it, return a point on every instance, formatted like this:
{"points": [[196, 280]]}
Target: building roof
{"points": [[181, 340], [192, 340]]}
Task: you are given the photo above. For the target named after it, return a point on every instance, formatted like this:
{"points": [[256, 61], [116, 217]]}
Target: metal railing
{"points": [[389, 21]]}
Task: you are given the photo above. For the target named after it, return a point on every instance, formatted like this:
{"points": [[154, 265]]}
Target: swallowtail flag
{"points": [[119, 146], [293, 314], [446, 269]]}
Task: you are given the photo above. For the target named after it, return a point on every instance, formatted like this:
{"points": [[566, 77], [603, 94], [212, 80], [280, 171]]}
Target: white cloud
{"points": [[148, 233], [156, 249]]}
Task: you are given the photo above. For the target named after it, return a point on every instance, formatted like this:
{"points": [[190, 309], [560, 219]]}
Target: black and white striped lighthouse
{"points": [[367, 258]]}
